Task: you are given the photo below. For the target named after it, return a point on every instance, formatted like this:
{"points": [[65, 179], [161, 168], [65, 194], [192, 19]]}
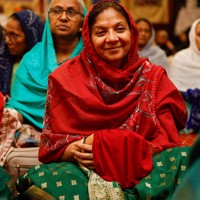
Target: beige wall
{"points": [[11, 5], [156, 14]]}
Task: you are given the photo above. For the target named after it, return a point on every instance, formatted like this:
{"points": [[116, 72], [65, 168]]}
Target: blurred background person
{"points": [[22, 31], [163, 41], [181, 41], [185, 67], [146, 44], [184, 72]]}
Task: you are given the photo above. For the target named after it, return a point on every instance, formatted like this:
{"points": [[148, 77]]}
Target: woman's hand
{"points": [[83, 153]]}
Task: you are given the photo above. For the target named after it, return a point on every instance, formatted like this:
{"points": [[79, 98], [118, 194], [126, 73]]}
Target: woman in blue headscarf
{"points": [[61, 41], [22, 31]]}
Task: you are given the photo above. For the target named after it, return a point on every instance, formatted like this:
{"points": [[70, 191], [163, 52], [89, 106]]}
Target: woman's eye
{"points": [[100, 33], [120, 29], [72, 12]]}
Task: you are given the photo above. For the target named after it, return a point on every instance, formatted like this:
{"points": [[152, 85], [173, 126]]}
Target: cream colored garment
{"points": [[100, 189], [8, 127], [184, 70]]}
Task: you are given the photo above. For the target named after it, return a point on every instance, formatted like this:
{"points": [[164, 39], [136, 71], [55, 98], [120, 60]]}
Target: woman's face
{"points": [[144, 34], [197, 35], [15, 37], [64, 25], [111, 37]]}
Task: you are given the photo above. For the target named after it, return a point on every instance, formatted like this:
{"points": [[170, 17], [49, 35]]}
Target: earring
{"points": [[80, 30]]}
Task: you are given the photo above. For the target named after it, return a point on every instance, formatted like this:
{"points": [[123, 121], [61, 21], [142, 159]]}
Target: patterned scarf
{"points": [[32, 26]]}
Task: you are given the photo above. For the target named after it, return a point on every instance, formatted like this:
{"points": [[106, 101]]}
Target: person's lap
{"points": [[69, 181]]}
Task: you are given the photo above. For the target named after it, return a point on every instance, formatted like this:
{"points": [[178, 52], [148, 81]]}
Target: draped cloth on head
{"points": [[28, 94], [120, 106], [184, 70], [32, 27], [153, 52]]}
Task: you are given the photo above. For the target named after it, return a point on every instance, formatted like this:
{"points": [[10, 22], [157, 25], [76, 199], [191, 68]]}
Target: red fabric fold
{"points": [[121, 156]]}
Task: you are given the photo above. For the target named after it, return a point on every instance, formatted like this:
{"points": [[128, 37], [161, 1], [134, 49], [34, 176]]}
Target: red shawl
{"points": [[146, 112]]}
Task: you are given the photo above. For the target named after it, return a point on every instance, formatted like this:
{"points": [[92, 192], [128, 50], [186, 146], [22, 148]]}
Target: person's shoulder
{"points": [[66, 67], [181, 53], [154, 67], [180, 56], [35, 52], [160, 51]]}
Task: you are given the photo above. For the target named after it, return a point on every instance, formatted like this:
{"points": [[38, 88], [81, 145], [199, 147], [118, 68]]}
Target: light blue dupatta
{"points": [[28, 94]]}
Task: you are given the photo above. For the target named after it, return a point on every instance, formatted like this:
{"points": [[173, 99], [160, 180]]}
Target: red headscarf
{"points": [[103, 69], [145, 113]]}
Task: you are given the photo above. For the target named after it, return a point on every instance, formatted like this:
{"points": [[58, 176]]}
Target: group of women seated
{"points": [[108, 119]]}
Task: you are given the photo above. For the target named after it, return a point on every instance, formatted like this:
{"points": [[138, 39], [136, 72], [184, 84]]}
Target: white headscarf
{"points": [[185, 67], [152, 51]]}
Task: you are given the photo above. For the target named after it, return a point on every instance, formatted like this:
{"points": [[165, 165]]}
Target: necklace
{"points": [[61, 62]]}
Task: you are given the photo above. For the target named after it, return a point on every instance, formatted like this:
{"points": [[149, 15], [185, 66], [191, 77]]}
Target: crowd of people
{"points": [[101, 100]]}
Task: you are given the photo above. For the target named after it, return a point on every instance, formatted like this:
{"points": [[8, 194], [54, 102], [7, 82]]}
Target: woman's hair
{"points": [[100, 7], [146, 21], [31, 25], [13, 16], [82, 5]]}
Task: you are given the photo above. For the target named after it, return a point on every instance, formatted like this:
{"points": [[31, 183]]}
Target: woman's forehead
{"points": [[66, 3]]}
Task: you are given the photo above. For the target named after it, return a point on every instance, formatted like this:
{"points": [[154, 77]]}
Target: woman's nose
{"points": [[112, 36], [7, 39]]}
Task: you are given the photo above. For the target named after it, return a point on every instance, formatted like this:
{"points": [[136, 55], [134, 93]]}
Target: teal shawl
{"points": [[28, 94]]}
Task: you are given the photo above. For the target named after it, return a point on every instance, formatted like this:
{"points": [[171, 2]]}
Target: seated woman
{"points": [[184, 72], [146, 44], [108, 111], [22, 31], [61, 41]]}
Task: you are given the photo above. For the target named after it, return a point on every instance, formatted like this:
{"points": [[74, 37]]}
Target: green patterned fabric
{"points": [[54, 181], [169, 169], [190, 187], [65, 180], [7, 186]]}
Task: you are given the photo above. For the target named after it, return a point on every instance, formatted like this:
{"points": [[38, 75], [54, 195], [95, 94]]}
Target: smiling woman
{"points": [[111, 39], [108, 113]]}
